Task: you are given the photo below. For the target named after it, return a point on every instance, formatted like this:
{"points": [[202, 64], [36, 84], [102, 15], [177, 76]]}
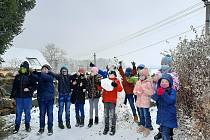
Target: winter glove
{"points": [[120, 62], [160, 91], [92, 65], [133, 64], [114, 84], [107, 67]]}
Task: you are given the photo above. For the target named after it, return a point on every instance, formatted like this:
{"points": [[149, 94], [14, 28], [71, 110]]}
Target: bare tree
{"points": [[54, 55]]}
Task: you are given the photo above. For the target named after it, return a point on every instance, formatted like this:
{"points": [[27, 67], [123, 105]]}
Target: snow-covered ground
{"points": [[126, 128]]}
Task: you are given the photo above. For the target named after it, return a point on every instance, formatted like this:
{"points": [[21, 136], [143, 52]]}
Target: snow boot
{"points": [[106, 130], [113, 130], [60, 125], [41, 130], [50, 132], [16, 129], [159, 135], [28, 129], [146, 132], [96, 120], [82, 122], [90, 123], [68, 125], [140, 129], [78, 122]]}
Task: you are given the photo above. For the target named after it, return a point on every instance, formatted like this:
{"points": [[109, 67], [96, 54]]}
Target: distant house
{"points": [[13, 57]]}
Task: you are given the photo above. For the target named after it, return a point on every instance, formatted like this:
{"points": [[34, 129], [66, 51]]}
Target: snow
{"points": [[126, 128], [14, 56]]}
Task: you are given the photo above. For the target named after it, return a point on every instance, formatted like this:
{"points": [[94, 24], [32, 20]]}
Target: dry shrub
{"points": [[191, 62]]}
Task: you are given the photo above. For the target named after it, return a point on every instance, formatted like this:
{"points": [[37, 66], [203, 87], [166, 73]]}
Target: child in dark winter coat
{"points": [[45, 97], [109, 100], [64, 90], [165, 97], [93, 94], [22, 91], [78, 96]]}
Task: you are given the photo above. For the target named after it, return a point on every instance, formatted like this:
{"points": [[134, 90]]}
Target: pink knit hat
{"points": [[94, 70], [144, 72], [81, 70]]}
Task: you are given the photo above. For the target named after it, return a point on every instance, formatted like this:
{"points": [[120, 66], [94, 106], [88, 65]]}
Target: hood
{"points": [[167, 77], [63, 68]]}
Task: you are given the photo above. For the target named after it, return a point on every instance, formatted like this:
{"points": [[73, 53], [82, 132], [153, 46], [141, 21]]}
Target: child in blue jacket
{"points": [[45, 97], [165, 97]]}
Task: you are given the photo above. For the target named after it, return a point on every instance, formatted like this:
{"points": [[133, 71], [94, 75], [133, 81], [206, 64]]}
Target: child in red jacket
{"points": [[109, 96]]}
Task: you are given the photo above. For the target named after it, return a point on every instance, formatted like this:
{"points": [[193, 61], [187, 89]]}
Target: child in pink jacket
{"points": [[144, 90]]}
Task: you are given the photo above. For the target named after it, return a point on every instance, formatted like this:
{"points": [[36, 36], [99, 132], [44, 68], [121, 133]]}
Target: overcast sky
{"points": [[82, 27]]}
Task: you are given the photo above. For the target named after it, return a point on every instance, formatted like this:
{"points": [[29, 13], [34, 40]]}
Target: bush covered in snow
{"points": [[192, 63]]}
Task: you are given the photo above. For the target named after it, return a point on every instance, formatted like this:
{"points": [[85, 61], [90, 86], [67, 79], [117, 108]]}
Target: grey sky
{"points": [[83, 26]]}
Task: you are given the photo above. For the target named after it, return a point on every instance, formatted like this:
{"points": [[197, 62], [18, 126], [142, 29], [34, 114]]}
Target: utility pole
{"points": [[94, 58], [207, 26]]}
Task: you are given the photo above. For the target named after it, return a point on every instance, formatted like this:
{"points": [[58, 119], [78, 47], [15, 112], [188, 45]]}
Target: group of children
{"points": [[138, 85]]}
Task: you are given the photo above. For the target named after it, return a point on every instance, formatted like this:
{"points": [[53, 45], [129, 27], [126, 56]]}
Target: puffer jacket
{"points": [[79, 89], [144, 91], [166, 104], [127, 86], [20, 82], [111, 96]]}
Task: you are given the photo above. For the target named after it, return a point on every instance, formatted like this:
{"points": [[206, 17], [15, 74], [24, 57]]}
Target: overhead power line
{"points": [[156, 43], [179, 15]]}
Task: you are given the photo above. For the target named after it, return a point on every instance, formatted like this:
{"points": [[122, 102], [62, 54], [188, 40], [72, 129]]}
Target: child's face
{"points": [[142, 77], [111, 76], [45, 70], [164, 83]]}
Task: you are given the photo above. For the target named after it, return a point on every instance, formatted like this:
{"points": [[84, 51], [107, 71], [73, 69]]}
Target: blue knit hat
{"points": [[128, 71], [166, 60], [141, 66]]}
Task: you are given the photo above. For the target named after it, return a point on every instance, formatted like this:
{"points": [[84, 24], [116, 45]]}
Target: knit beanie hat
{"points": [[63, 68], [46, 66], [25, 64], [140, 67], [113, 72], [166, 60], [128, 71]]}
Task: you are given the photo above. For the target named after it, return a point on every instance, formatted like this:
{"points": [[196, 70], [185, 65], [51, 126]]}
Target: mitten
{"points": [[114, 84], [120, 62], [160, 91], [133, 63]]}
